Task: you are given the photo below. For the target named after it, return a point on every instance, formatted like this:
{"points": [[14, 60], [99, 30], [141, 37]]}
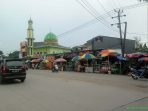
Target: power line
{"points": [[99, 18], [103, 8], [132, 6], [93, 10], [107, 25], [85, 24], [132, 33], [109, 15], [126, 7], [103, 15], [79, 27], [90, 23]]}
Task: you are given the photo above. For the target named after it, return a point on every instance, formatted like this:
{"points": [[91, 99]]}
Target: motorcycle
{"points": [[55, 69], [139, 73]]}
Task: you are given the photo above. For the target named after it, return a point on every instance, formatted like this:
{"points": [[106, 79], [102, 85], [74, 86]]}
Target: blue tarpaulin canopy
{"points": [[121, 58]]}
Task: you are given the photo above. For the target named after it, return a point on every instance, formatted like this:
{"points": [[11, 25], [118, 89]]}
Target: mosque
{"points": [[48, 46]]}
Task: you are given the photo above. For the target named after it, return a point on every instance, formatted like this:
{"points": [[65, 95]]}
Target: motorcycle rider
{"points": [[55, 67]]}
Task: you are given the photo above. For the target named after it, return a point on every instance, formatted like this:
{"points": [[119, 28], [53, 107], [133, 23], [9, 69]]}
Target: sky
{"points": [[60, 16]]}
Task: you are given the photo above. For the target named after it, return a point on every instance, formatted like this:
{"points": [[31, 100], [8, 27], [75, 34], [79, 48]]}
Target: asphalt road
{"points": [[70, 91]]}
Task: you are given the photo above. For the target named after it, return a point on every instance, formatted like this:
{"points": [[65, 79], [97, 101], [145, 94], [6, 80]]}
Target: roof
{"points": [[109, 37], [50, 37], [38, 44], [42, 45]]}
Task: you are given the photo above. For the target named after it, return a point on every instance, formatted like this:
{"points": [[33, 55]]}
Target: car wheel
{"points": [[23, 79], [1, 80]]}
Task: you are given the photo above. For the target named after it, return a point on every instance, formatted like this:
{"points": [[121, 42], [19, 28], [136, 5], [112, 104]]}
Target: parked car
{"points": [[12, 69]]}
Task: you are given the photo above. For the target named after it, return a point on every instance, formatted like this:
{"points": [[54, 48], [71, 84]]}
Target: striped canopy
{"points": [[88, 56], [108, 52]]}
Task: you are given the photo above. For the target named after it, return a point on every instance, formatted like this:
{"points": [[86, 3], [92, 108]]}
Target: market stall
{"points": [[61, 63], [89, 67], [107, 55]]}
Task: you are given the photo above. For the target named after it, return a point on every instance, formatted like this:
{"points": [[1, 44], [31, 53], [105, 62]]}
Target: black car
{"points": [[12, 69]]}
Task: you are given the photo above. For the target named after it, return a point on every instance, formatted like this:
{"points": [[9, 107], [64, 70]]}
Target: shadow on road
{"points": [[11, 82]]}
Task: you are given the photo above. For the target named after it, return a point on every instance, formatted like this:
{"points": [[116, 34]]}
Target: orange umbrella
{"points": [[108, 52]]}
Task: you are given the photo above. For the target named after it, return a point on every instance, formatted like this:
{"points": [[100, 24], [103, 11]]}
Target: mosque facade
{"points": [[48, 46]]}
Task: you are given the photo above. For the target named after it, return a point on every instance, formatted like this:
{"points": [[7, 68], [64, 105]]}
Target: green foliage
{"points": [[13, 55], [142, 48], [1, 52]]}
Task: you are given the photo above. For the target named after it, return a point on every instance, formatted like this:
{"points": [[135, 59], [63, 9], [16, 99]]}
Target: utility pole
{"points": [[124, 40], [147, 17], [119, 12], [93, 51]]}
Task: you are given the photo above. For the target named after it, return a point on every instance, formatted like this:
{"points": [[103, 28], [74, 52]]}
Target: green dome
{"points": [[51, 38]]}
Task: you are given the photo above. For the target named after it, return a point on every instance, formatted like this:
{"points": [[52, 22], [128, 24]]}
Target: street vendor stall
{"points": [[107, 54], [121, 65], [133, 58], [35, 63], [61, 63], [87, 57], [143, 61]]}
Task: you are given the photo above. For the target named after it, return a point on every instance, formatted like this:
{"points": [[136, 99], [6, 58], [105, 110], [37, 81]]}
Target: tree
{"points": [[138, 44], [144, 48], [1, 52], [13, 55]]}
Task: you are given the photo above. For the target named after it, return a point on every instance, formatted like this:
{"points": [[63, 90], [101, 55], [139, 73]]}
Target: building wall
{"points": [[39, 51], [49, 50], [58, 50], [104, 42], [23, 49]]}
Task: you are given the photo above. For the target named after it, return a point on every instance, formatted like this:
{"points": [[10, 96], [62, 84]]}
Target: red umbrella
{"points": [[143, 59], [134, 55], [60, 60], [145, 55]]}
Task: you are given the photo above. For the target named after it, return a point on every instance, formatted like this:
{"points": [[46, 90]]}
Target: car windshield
{"points": [[14, 63]]}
